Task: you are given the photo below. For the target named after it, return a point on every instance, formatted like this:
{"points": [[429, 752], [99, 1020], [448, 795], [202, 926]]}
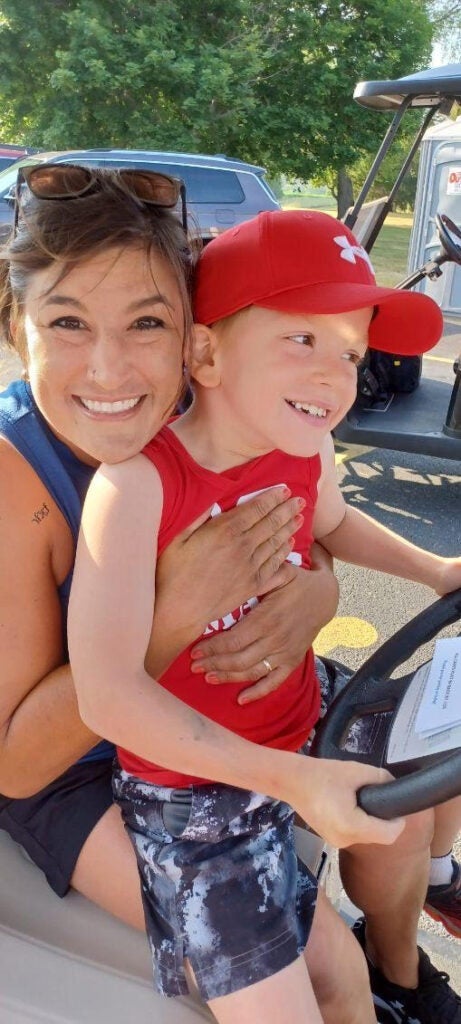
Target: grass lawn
{"points": [[314, 200], [390, 251]]}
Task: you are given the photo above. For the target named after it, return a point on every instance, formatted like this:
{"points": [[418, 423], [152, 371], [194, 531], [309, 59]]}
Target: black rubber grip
{"points": [[424, 788]]}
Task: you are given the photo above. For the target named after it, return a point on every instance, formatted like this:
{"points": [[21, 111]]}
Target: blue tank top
{"points": [[65, 477]]}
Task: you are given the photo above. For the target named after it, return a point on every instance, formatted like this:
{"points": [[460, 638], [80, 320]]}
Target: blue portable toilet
{"points": [[438, 191]]}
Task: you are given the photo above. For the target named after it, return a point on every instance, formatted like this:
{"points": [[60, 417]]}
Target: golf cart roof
{"points": [[423, 89]]}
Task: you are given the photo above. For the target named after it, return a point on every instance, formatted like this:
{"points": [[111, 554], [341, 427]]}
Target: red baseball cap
{"points": [[303, 261]]}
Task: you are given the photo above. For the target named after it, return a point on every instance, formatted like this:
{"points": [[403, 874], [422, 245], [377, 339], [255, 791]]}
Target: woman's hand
{"points": [[216, 565], [279, 630]]}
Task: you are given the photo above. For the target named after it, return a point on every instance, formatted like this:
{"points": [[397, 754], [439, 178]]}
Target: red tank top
{"points": [[282, 719]]}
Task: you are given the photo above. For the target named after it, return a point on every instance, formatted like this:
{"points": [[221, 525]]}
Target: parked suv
{"points": [[9, 154], [220, 192]]}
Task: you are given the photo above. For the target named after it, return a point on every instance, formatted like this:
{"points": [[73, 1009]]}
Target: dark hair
{"points": [[72, 230]]}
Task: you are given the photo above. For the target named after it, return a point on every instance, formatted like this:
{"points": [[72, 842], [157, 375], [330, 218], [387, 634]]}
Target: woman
{"points": [[55, 428]]}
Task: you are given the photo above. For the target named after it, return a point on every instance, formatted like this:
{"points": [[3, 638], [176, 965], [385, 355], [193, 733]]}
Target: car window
{"points": [[267, 188], [9, 175], [6, 161], [203, 184]]}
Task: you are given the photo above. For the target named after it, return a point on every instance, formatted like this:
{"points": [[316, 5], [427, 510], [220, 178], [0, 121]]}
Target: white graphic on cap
{"points": [[349, 252]]}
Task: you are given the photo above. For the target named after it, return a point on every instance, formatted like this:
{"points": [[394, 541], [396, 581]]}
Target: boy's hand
{"points": [[281, 629], [449, 577], [327, 801]]}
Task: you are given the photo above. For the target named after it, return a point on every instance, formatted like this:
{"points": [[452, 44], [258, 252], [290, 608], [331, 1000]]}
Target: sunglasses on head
{"points": [[72, 181]]}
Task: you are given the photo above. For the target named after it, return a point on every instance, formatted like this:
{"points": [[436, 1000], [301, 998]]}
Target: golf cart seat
{"points": [[369, 216], [67, 962]]}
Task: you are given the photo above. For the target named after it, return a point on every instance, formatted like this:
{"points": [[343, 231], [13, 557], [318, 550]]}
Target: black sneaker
{"points": [[432, 1002]]}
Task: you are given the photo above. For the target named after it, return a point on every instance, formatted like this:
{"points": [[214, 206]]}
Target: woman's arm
{"points": [[110, 619], [41, 732], [215, 564], [280, 628]]}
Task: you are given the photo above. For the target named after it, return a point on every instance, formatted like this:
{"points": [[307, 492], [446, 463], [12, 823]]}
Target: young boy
{"points": [[289, 303]]}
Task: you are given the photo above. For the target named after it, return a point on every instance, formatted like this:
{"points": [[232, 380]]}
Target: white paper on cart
{"points": [[440, 707], [405, 742]]}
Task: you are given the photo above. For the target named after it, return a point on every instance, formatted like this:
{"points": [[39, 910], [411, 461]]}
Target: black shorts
{"points": [[53, 826]]}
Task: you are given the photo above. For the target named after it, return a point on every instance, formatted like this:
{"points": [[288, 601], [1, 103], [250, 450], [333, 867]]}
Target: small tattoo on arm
{"points": [[40, 514]]}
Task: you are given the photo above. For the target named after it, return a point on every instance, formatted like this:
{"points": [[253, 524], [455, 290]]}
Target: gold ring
{"points": [[267, 665]]}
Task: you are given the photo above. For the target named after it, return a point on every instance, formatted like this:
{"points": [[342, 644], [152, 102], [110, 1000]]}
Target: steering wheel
{"points": [[450, 237], [375, 698]]}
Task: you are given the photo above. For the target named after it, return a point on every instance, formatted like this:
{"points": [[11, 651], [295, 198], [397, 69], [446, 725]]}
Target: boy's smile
{"points": [[309, 410]]}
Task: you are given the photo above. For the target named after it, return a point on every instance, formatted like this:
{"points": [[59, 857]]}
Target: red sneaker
{"points": [[443, 902]]}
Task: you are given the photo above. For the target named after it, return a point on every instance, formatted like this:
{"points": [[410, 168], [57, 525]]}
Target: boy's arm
{"points": [[110, 618], [352, 536]]}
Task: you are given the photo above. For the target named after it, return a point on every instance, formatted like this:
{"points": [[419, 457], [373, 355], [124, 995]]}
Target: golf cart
{"points": [[427, 419]]}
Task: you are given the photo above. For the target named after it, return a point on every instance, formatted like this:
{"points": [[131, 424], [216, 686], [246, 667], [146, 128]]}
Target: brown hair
{"points": [[72, 230]]}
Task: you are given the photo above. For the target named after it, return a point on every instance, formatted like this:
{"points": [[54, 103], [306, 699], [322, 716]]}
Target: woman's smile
{"points": [[105, 351], [118, 408]]}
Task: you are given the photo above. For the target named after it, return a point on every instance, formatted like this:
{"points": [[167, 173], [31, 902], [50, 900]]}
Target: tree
{"points": [[384, 181], [265, 81], [165, 74], [446, 19], [342, 43]]}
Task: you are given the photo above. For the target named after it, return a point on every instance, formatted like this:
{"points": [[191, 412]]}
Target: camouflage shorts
{"points": [[332, 678], [220, 880], [225, 891]]}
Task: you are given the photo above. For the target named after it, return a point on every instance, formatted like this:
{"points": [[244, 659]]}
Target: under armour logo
{"points": [[349, 251]]}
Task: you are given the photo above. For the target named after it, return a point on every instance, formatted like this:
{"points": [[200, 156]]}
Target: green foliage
{"points": [[446, 20], [270, 82], [329, 47], [8, 132], [132, 73], [404, 200]]}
